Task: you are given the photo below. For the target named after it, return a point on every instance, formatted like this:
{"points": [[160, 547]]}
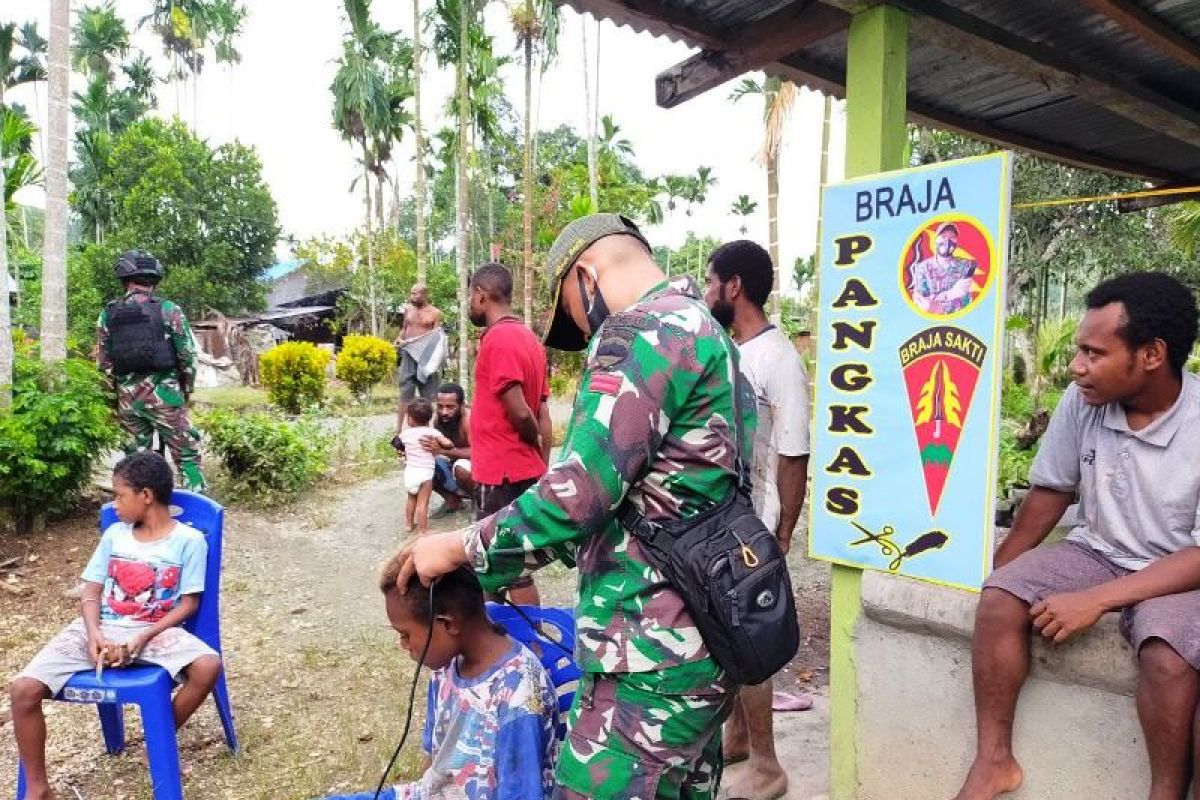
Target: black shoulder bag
{"points": [[731, 574]]}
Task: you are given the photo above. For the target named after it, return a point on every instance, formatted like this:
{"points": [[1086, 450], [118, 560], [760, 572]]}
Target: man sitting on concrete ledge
{"points": [[1126, 437]]}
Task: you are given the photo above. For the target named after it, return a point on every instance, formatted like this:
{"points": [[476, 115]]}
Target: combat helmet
{"points": [[138, 264]]}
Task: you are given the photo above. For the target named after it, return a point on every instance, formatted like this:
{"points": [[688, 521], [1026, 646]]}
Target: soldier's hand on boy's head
{"points": [[430, 557]]}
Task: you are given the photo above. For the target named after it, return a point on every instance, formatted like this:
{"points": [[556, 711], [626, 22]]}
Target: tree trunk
{"points": [[419, 200], [773, 232], [371, 299], [6, 344], [527, 216], [1062, 298], [828, 113], [593, 188], [380, 217], [460, 192], [54, 248]]}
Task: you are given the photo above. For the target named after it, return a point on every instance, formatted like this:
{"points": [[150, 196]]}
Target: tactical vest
{"points": [[138, 338]]}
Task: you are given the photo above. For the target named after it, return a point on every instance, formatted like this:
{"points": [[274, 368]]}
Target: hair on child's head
{"points": [[147, 470], [420, 411], [457, 593]]}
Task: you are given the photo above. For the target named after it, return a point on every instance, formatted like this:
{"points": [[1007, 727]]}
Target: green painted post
{"points": [[876, 90]]}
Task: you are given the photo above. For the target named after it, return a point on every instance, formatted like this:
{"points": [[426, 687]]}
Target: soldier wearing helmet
{"points": [[145, 346]]}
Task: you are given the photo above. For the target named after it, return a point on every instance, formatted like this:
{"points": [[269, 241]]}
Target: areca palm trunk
{"points": [[593, 188], [6, 345], [419, 202], [460, 190], [54, 249], [824, 178], [527, 221], [370, 248], [773, 230]]}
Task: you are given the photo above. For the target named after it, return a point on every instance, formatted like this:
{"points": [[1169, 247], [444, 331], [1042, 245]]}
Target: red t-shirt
{"points": [[509, 354]]}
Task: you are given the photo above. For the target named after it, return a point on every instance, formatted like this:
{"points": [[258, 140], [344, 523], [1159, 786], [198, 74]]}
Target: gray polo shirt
{"points": [[1138, 490]]}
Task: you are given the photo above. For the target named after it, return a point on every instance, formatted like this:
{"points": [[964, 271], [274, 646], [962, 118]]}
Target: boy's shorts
{"points": [[646, 735], [64, 655], [1071, 567], [414, 479]]}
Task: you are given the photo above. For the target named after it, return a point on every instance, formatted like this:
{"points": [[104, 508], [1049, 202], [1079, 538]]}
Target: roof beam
{"points": [[954, 30], [1128, 205], [832, 81], [655, 16], [1150, 29], [787, 31]]}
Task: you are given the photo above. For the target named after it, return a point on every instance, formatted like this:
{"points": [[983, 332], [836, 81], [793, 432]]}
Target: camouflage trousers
{"points": [[143, 417], [646, 735]]}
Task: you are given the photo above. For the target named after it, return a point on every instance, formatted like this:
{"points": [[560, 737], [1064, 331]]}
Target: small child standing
{"points": [[492, 715], [142, 582], [419, 462]]}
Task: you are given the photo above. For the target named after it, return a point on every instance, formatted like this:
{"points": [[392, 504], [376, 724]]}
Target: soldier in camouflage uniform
{"points": [[145, 346], [652, 425], [942, 283]]}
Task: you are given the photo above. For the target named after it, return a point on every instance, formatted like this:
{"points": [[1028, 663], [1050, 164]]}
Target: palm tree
{"points": [[1185, 227], [778, 98], [369, 110], [419, 146], [187, 28], [536, 26], [14, 71], [699, 187], [101, 39], [743, 207]]}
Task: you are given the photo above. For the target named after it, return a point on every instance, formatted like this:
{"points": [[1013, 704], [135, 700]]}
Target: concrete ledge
{"points": [[1101, 658], [1076, 729]]}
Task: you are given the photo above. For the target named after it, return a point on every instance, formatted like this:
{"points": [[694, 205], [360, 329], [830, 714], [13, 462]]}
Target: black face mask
{"points": [[597, 309]]}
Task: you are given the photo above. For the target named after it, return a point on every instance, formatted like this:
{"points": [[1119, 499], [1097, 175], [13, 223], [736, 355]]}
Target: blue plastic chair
{"points": [[150, 687], [557, 624]]}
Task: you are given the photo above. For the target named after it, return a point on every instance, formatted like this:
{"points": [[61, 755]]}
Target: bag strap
{"points": [[743, 474]]}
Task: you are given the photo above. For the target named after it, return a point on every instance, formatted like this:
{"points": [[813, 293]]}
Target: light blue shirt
{"points": [[144, 581]]}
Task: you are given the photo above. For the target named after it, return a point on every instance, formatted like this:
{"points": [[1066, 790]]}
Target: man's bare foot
{"points": [[39, 793], [989, 779], [755, 784]]}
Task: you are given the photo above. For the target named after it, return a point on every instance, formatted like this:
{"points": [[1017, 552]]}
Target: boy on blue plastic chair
{"points": [[491, 713], [142, 582]]}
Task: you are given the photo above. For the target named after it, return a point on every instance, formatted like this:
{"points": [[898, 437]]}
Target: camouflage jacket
{"points": [[167, 385], [651, 422]]}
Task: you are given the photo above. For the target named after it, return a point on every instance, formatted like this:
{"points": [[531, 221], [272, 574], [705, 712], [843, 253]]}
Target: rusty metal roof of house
{"points": [[1108, 84]]}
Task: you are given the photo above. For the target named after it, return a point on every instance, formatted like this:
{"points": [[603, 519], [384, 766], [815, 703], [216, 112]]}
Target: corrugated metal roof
{"points": [[1060, 77]]}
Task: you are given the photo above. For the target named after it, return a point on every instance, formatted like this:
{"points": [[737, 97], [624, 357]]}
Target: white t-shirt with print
{"points": [[774, 369], [144, 581]]}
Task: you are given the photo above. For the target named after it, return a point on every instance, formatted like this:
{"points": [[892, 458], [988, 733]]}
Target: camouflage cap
{"points": [[577, 236]]}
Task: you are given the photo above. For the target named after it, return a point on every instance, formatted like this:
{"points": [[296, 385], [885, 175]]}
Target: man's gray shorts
{"points": [[1070, 567], [410, 387]]}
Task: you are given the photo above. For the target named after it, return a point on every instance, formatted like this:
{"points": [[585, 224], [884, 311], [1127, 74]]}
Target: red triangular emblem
{"points": [[941, 368]]}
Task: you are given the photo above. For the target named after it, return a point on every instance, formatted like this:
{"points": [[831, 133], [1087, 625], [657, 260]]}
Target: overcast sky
{"points": [[278, 100]]}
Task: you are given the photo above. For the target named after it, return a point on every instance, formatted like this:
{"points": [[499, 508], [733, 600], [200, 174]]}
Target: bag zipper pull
{"points": [[748, 556]]}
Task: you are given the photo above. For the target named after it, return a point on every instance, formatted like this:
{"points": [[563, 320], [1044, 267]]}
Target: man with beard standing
{"points": [[452, 471], [511, 432], [422, 349], [740, 275]]}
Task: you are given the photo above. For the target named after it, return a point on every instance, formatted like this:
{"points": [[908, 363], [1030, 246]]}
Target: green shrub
{"points": [[294, 374], [61, 422], [267, 459], [363, 362]]}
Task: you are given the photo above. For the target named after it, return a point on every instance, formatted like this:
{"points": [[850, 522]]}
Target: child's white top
{"points": [[416, 455]]}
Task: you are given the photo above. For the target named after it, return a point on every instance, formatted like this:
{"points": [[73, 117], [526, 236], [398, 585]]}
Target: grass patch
{"points": [[383, 399]]}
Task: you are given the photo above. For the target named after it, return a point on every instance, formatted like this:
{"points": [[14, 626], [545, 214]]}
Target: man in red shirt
{"points": [[511, 432]]}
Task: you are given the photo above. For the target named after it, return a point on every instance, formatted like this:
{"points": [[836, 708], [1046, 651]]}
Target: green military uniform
{"points": [[155, 401], [653, 424]]}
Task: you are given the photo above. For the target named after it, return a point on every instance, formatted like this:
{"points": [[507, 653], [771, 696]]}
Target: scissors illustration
{"points": [[932, 540]]}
